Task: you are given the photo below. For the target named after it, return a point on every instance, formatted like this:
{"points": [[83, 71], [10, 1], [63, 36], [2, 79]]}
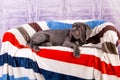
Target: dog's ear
{"points": [[70, 34], [88, 31]]}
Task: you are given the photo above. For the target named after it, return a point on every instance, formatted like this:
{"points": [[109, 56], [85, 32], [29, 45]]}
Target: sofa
{"points": [[99, 59]]}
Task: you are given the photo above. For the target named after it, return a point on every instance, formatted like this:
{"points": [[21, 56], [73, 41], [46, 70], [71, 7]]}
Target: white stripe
{"points": [[29, 29], [72, 69], [109, 77], [65, 68], [43, 25], [22, 72], [99, 28], [18, 36], [72, 21], [3, 69], [108, 58], [27, 53], [8, 47], [110, 36], [16, 52], [99, 76], [19, 72]]}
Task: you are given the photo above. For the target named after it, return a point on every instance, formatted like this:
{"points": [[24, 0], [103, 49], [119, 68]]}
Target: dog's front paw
{"points": [[36, 48], [76, 53], [48, 44]]}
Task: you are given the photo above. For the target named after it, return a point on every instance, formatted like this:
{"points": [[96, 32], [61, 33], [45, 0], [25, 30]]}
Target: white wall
{"points": [[16, 12]]}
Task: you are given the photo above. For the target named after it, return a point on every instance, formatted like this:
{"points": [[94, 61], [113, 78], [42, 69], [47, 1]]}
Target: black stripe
{"points": [[96, 39], [35, 26], [24, 33]]}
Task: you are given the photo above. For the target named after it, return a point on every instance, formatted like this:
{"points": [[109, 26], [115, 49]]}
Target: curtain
{"points": [[115, 11], [17, 12]]}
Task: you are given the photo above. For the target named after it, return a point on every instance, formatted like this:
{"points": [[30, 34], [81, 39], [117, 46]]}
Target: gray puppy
{"points": [[72, 38]]}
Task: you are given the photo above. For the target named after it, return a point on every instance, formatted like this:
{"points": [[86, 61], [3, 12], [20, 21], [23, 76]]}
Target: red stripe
{"points": [[86, 60], [65, 56], [8, 36]]}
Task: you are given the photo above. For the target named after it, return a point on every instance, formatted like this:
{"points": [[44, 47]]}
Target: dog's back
{"points": [[56, 37]]}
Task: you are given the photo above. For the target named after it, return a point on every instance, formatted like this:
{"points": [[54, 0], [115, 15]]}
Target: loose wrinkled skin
{"points": [[84, 29], [72, 38]]}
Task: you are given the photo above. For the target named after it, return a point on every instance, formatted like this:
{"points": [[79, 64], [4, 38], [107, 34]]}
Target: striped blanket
{"points": [[99, 59]]}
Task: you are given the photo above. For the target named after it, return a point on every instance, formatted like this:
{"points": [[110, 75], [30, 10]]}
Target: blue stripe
{"points": [[7, 77], [19, 62], [95, 23], [58, 25], [61, 25], [56, 76], [30, 64]]}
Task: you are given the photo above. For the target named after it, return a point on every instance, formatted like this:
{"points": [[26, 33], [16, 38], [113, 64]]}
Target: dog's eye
{"points": [[74, 28]]}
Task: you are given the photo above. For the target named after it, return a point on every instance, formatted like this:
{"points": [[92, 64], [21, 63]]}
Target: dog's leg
{"points": [[46, 44], [76, 51], [75, 47], [37, 40]]}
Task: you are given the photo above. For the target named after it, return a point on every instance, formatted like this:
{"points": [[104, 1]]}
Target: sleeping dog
{"points": [[72, 38]]}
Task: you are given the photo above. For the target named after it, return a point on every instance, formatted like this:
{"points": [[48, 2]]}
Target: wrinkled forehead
{"points": [[78, 24]]}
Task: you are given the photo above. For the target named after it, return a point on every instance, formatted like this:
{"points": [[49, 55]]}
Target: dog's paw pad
{"points": [[48, 44], [36, 49], [76, 54]]}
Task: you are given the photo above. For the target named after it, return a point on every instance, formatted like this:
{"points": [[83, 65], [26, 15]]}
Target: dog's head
{"points": [[81, 31]]}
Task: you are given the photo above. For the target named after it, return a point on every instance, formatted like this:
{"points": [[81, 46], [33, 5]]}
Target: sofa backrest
{"points": [[22, 33]]}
